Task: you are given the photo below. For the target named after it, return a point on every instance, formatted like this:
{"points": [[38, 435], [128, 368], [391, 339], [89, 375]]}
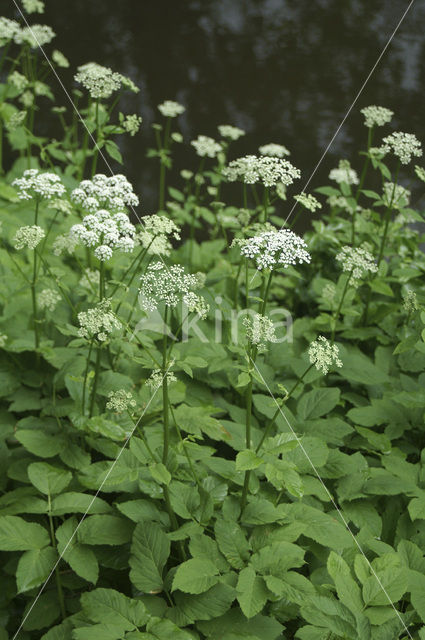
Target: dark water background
{"points": [[286, 71]]}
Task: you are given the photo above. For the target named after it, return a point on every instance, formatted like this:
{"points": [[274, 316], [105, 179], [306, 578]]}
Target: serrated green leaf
{"points": [[247, 459], [39, 443], [196, 575], [232, 542], [111, 606], [105, 529], [252, 592], [16, 534], [48, 479], [149, 553], [34, 566]]}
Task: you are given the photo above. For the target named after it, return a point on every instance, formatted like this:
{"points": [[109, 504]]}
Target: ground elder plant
{"points": [[177, 461]]}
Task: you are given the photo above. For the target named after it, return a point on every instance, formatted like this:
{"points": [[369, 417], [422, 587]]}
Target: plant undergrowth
{"points": [[211, 428]]}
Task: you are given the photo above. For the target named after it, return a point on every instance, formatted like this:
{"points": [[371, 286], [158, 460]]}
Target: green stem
{"points": [[336, 314], [360, 187], [96, 146], [248, 411], [85, 143], [96, 377], [265, 203], [33, 284], [166, 427], [1, 145], [57, 574], [86, 372], [236, 283], [265, 292]]}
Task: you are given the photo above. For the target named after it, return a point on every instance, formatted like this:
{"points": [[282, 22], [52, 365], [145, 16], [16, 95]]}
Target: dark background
{"points": [[286, 71]]}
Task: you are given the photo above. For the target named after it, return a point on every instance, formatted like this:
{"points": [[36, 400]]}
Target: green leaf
{"points": [[347, 589], [247, 459], [322, 527], [61, 631], [18, 535], [149, 553], [80, 558], [44, 611], [232, 542], [105, 529], [74, 502], [394, 582], [98, 631], [359, 368], [277, 558], [48, 479], [111, 606], [34, 566], [39, 443], [417, 592], [160, 473], [292, 586], [195, 576], [252, 592], [113, 150], [234, 622], [204, 606], [317, 403]]}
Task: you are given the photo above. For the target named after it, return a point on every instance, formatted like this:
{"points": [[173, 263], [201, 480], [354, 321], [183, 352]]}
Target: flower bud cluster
{"points": [[227, 131], [168, 285], [101, 82], [323, 354], [171, 109], [259, 330], [120, 401], [155, 234], [274, 150], [308, 201], [48, 299], [206, 146], [403, 145], [98, 322], [376, 116], [264, 169], [28, 237], [155, 379], [356, 260], [344, 173]]}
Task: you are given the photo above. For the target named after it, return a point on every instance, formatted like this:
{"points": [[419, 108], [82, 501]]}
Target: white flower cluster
{"points": [[403, 145], [228, 131], [269, 171], [155, 379], [323, 354], [60, 59], [63, 243], [8, 30], [410, 301], [344, 173], [101, 82], [132, 124], [420, 172], [165, 284], [113, 192], [274, 150], [35, 184], [196, 304], [18, 80], [376, 116], [206, 146], [16, 120], [90, 279], [171, 109], [98, 322], [48, 299], [308, 201], [155, 233], [28, 237], [37, 35], [259, 330], [356, 260], [33, 6], [105, 231], [120, 401], [274, 248], [395, 196]]}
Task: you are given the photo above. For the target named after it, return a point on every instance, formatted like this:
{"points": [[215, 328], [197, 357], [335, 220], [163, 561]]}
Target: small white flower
{"points": [[155, 234], [196, 304], [16, 120], [186, 174], [63, 243], [98, 322], [8, 30], [18, 80], [344, 173], [410, 301], [171, 109], [48, 299], [105, 231], [259, 331], [33, 6], [323, 354], [28, 237], [358, 261], [272, 249], [274, 150], [90, 280], [162, 284], [37, 35], [132, 124], [403, 145], [269, 171], [395, 196], [119, 401], [376, 116], [60, 59], [113, 193], [308, 201], [101, 82], [156, 378], [206, 146], [36, 184], [227, 131]]}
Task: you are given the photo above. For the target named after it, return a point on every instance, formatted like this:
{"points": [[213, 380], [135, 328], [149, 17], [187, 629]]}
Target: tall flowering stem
{"points": [[54, 545], [361, 183], [165, 415], [33, 284], [162, 167], [337, 312], [248, 411]]}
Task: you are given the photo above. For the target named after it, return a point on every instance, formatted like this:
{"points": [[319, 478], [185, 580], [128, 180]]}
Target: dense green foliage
{"points": [[211, 502]]}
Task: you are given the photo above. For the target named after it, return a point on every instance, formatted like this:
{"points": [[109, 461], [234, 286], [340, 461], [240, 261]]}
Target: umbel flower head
{"points": [[37, 184], [273, 249], [113, 193], [37, 35], [98, 322], [259, 331], [403, 146], [155, 379], [308, 201], [132, 124], [358, 260], [64, 242], [171, 109], [228, 131], [119, 401], [28, 237], [274, 150], [410, 301], [264, 169], [167, 285], [33, 6], [101, 82], [376, 116], [8, 30], [155, 234], [323, 354], [48, 299], [106, 232], [395, 196], [206, 146], [344, 173]]}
